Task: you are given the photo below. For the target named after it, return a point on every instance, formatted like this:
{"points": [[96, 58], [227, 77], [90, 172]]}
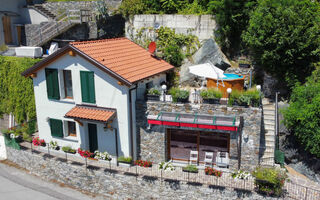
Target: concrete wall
{"points": [[3, 150], [202, 26], [36, 17], [108, 94], [153, 140]]}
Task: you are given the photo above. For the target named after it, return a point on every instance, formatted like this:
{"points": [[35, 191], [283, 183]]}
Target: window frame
{"points": [[65, 84]]}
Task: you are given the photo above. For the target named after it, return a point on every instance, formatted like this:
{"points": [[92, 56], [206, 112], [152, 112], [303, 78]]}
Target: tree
{"points": [[232, 17], [284, 37], [302, 117]]}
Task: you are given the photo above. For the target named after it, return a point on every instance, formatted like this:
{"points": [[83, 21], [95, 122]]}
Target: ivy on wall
{"points": [[16, 91], [171, 46]]}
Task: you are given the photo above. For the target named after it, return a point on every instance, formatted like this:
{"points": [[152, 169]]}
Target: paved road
{"points": [[18, 185]]}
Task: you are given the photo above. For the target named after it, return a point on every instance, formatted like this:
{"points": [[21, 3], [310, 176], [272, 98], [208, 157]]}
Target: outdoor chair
{"points": [[193, 157], [208, 159], [222, 159]]}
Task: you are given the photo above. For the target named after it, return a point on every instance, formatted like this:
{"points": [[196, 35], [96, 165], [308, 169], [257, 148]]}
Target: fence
{"points": [[292, 190]]}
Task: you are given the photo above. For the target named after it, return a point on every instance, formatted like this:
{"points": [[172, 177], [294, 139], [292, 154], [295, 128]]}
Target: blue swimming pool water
{"points": [[232, 76]]}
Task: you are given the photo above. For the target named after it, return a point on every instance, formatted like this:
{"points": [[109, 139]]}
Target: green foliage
{"points": [[3, 47], [134, 7], [284, 37], [190, 168], [232, 17], [26, 137], [16, 91], [279, 157], [125, 159], [12, 143], [250, 97], [68, 149], [211, 93], [154, 91], [302, 116], [178, 94], [67, 0], [171, 47], [269, 180]]}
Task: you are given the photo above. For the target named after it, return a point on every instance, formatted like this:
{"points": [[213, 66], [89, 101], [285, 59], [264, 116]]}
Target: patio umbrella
{"points": [[207, 70]]}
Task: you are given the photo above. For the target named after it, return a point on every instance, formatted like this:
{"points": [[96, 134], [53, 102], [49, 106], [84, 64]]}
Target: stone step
{"points": [[269, 137], [268, 107], [268, 117], [268, 122], [269, 127], [268, 112]]}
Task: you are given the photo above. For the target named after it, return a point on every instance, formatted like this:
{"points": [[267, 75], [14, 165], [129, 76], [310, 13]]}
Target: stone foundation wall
{"points": [[152, 140], [115, 185]]}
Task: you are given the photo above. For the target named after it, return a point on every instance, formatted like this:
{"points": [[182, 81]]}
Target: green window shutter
{"points": [[52, 83], [87, 87], [56, 128]]}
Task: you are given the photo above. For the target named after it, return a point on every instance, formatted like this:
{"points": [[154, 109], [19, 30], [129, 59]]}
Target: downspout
{"points": [[116, 138], [131, 120]]}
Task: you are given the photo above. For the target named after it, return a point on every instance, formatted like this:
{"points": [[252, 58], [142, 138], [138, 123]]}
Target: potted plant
{"points": [[234, 98], [255, 96], [85, 153], [244, 63], [54, 145], [69, 149], [125, 161], [102, 156], [153, 94], [190, 169], [166, 166], [211, 96], [143, 163], [38, 142], [213, 172], [241, 175], [269, 181], [179, 95]]}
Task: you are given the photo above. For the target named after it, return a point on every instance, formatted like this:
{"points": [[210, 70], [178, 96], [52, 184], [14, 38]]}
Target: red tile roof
{"points": [[123, 57], [91, 113]]}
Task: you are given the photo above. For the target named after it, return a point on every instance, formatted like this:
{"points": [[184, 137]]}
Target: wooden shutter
{"points": [[56, 128], [52, 83], [87, 87]]}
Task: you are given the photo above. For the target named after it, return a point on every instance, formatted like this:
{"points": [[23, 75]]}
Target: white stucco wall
{"points": [[3, 151], [156, 81], [108, 94], [36, 17]]}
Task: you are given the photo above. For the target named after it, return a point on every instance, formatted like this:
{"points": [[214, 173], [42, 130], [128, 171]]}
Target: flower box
{"points": [[123, 164], [212, 172], [211, 101], [190, 169], [182, 100], [152, 97]]}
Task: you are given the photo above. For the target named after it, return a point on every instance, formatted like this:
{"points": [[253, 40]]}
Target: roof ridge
{"points": [[97, 41]]}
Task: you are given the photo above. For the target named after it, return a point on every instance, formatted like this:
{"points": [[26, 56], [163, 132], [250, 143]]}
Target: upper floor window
{"points": [[87, 87], [67, 78], [52, 83]]}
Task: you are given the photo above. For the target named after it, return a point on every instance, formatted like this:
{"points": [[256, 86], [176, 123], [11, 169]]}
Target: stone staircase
{"points": [[267, 156], [51, 29]]}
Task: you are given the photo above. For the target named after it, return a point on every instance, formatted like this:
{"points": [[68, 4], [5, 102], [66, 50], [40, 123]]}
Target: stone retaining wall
{"points": [[152, 139], [117, 185]]}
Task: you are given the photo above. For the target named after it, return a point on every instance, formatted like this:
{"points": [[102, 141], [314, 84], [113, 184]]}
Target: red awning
{"points": [[227, 123]]}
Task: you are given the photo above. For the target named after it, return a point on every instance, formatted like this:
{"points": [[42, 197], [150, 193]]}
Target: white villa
{"points": [[85, 94]]}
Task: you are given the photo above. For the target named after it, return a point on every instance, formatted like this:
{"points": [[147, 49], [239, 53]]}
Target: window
{"points": [[71, 129], [87, 87], [52, 83], [56, 128], [67, 84]]}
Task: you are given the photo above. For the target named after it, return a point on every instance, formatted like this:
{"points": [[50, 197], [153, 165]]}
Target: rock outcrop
{"points": [[209, 52]]}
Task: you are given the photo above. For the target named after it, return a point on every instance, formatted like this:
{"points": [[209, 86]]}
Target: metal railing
{"points": [[62, 22], [291, 190]]}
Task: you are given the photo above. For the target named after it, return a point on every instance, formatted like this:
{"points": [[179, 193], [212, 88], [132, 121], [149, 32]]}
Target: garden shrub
{"points": [[178, 94], [269, 181], [154, 91], [211, 93]]}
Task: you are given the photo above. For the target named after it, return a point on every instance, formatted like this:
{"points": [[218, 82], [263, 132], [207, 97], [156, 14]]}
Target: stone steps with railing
{"points": [[49, 30]]}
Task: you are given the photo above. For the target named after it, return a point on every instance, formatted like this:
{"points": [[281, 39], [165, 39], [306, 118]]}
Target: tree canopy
{"points": [[302, 117], [284, 37], [16, 91]]}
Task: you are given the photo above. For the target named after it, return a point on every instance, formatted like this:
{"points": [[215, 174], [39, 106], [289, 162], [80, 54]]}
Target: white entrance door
{"points": [[3, 151]]}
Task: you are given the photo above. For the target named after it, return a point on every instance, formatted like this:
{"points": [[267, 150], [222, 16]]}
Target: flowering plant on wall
{"points": [[85, 153], [212, 171], [54, 145], [166, 166], [143, 163], [241, 175], [102, 155], [38, 142]]}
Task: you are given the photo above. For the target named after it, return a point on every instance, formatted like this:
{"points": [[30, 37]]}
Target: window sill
{"points": [[88, 104], [70, 138], [71, 101]]}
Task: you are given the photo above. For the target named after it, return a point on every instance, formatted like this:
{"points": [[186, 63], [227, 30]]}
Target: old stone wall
{"points": [[202, 26], [113, 185], [152, 139], [4, 122]]}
